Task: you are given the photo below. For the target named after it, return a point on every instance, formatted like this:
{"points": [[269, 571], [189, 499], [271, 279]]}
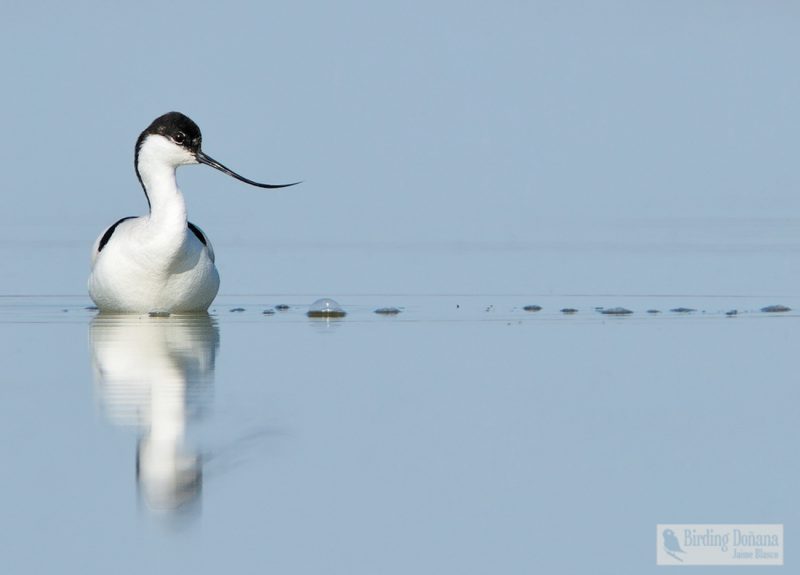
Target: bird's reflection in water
{"points": [[156, 373]]}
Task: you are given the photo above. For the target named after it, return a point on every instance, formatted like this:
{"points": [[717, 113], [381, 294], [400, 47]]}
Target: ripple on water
{"points": [[387, 311], [682, 310], [775, 309], [616, 311]]}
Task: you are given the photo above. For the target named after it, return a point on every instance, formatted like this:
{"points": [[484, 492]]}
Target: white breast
{"points": [[139, 271]]}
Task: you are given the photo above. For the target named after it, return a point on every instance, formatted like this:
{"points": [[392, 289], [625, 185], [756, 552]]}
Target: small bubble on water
{"points": [[269, 311], [387, 311], [236, 309], [326, 307], [775, 309], [532, 308]]}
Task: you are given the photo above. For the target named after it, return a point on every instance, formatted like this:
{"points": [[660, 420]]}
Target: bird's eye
{"points": [[179, 137]]}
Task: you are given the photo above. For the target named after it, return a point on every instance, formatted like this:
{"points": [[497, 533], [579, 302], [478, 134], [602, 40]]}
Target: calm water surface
{"points": [[464, 435]]}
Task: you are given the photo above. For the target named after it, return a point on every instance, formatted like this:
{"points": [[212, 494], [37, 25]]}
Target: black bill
{"points": [[209, 161]]}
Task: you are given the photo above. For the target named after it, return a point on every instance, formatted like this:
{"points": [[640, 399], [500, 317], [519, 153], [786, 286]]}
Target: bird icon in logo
{"points": [[671, 545]]}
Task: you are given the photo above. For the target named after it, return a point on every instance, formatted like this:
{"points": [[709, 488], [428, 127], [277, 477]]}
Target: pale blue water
{"points": [[464, 435]]}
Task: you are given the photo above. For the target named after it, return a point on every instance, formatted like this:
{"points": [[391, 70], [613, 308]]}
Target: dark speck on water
{"points": [[569, 310], [313, 313], [158, 314], [775, 309], [682, 310], [387, 311], [91, 307], [269, 311], [654, 311], [237, 309], [732, 312], [616, 311], [532, 308], [281, 307]]}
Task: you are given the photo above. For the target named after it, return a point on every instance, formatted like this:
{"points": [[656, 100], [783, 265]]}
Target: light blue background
{"points": [[416, 124]]}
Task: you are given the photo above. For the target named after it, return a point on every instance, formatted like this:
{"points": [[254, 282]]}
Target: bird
{"points": [[160, 262], [671, 544]]}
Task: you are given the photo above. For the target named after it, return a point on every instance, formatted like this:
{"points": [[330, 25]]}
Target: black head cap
{"points": [[177, 127]]}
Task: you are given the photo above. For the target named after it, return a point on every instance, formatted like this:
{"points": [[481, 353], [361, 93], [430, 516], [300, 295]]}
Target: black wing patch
{"points": [[109, 233], [196, 231]]}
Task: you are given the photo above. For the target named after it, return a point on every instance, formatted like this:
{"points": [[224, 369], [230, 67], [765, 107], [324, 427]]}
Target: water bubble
{"points": [[268, 311], [326, 307], [237, 309]]}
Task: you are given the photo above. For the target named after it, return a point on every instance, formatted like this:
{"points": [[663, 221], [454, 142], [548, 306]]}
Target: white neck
{"points": [[157, 161], [167, 205]]}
